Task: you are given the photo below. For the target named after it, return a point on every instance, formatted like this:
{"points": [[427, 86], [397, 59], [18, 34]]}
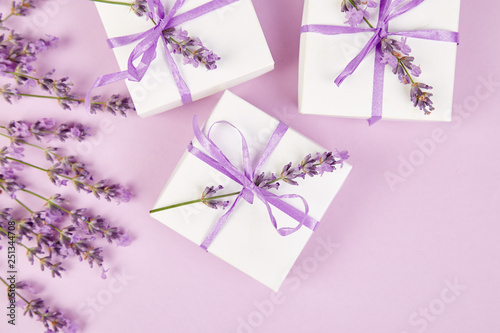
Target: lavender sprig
{"points": [[309, 166], [139, 7], [61, 88], [19, 9], [17, 55], [395, 53], [208, 193], [53, 321], [192, 49], [63, 168]]}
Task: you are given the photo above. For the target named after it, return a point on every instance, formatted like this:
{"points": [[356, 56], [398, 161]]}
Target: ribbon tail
{"points": [[291, 211], [436, 35], [378, 88], [332, 29], [275, 139], [351, 67], [179, 81], [218, 226]]}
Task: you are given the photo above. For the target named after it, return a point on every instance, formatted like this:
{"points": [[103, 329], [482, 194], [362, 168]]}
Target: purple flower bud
{"points": [[210, 192], [420, 98]]}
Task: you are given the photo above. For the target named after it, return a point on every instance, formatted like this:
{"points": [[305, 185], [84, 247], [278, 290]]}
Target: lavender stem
{"points": [[192, 202], [20, 296]]}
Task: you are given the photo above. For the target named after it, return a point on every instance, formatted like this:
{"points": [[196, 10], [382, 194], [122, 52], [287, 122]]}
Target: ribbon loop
{"points": [[249, 191], [148, 42]]}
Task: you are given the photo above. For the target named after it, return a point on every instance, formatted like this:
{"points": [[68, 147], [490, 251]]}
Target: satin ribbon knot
{"points": [[218, 160], [148, 42]]}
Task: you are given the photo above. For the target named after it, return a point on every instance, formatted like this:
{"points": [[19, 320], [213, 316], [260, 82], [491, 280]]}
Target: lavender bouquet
{"points": [[17, 57], [52, 231]]}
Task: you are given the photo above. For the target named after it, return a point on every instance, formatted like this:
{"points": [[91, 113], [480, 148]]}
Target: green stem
{"points": [[33, 145], [26, 163], [23, 75], [406, 70], [46, 96], [52, 97], [21, 297], [6, 284], [6, 18], [47, 200], [24, 206], [192, 202]]}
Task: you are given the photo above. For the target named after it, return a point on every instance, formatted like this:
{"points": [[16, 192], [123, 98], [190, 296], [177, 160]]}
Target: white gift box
{"points": [[233, 32], [323, 58], [248, 240]]}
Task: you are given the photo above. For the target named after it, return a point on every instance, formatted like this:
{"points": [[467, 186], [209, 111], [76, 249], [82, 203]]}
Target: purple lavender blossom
{"points": [[22, 8], [61, 87], [210, 192], [19, 129], [356, 11], [192, 49], [355, 17], [16, 57], [47, 127], [266, 183], [420, 98], [396, 54], [114, 192], [140, 7]]}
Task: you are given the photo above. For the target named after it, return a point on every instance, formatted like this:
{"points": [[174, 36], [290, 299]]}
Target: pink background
{"points": [[397, 248]]}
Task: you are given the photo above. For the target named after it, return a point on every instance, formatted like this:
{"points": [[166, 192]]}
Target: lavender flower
{"points": [[21, 8], [396, 54], [309, 166], [115, 192], [356, 11], [266, 183], [192, 49], [140, 7], [8, 93], [210, 192], [16, 58], [312, 166]]}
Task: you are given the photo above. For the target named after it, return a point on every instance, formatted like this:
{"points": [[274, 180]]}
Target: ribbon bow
{"points": [[389, 10], [220, 162], [146, 48]]}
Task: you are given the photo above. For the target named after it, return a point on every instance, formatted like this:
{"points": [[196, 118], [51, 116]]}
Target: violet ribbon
{"points": [[389, 10], [217, 160], [146, 48]]}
